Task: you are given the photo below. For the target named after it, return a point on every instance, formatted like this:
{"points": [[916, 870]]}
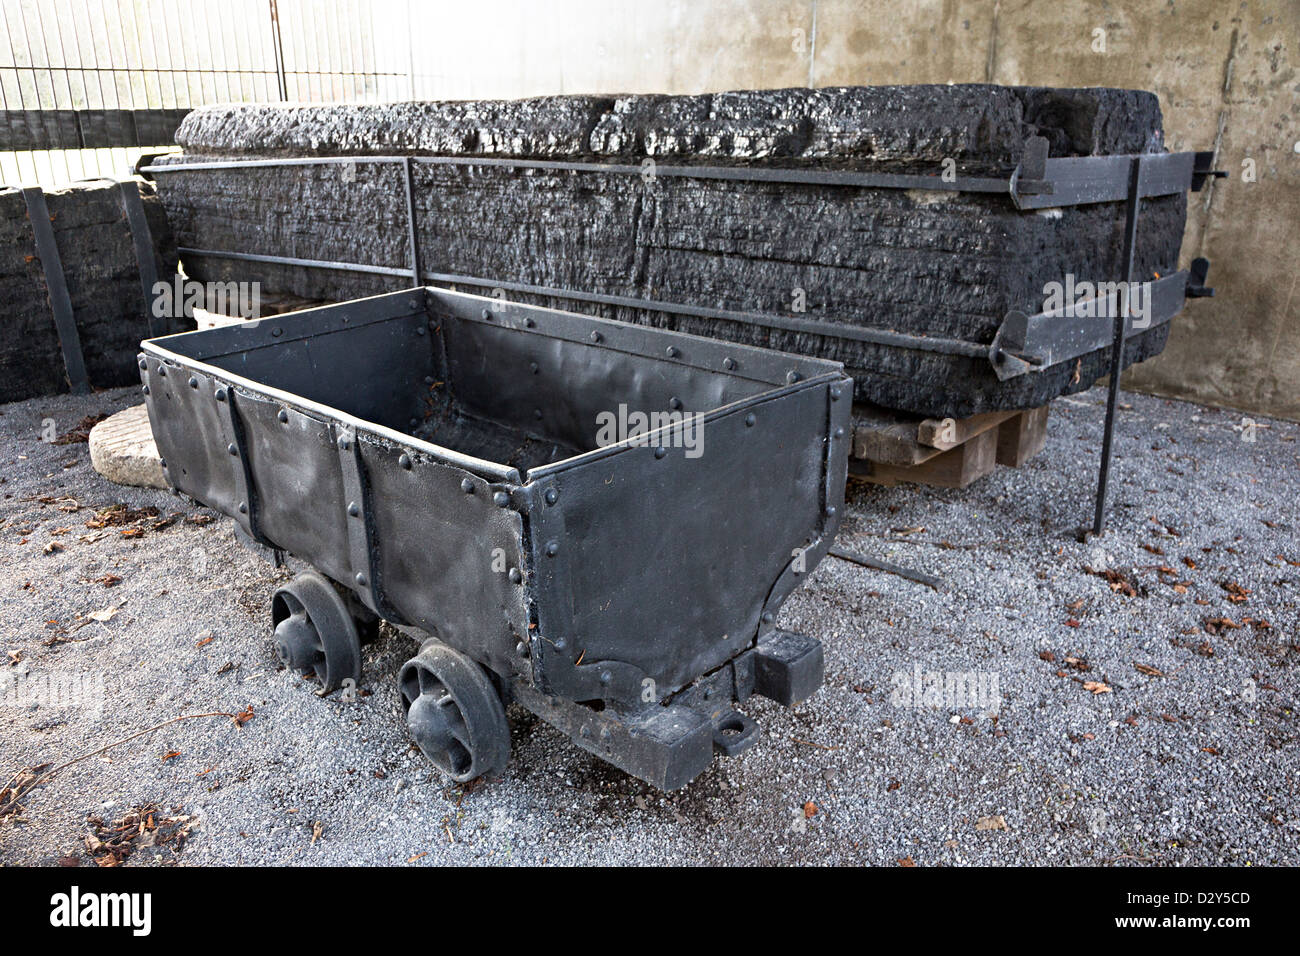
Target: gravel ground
{"points": [[1189, 757]]}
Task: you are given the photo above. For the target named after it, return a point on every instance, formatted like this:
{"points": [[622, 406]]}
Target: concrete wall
{"points": [[1226, 74]]}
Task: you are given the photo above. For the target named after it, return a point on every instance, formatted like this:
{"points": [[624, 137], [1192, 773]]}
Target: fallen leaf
{"points": [[1236, 593], [906, 861], [244, 716], [991, 823], [1148, 670], [170, 754], [1217, 625], [1096, 686], [418, 856], [809, 810]]}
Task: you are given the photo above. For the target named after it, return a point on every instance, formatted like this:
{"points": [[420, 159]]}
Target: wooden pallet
{"points": [[889, 447]]}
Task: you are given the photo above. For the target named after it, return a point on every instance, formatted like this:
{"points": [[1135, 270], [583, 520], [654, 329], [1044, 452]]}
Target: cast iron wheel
{"points": [[315, 632], [454, 712]]}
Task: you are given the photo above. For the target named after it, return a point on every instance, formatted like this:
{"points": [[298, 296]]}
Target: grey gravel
{"points": [[1198, 765]]}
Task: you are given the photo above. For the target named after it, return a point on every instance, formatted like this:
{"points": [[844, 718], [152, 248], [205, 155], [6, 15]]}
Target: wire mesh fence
{"points": [[88, 85]]}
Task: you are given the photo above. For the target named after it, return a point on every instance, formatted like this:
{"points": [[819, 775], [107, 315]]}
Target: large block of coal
{"points": [[99, 263], [921, 262]]}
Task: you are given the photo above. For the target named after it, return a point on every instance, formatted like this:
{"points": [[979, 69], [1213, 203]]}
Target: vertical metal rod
{"points": [[279, 51], [1117, 341], [414, 239]]}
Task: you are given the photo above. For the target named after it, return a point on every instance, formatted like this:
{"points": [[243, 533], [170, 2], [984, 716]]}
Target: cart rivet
{"points": [[675, 403], [233, 448], [404, 460], [537, 413], [561, 643], [361, 579], [584, 731], [467, 486], [487, 315], [414, 305], [792, 377], [501, 499], [162, 371], [415, 422], [344, 444], [529, 322], [728, 363], [606, 677], [433, 326], [768, 617], [145, 389], [750, 419], [595, 336], [162, 462], [604, 733], [552, 548], [660, 451], [534, 367], [516, 577], [552, 496], [276, 332], [830, 512], [243, 508], [835, 393], [419, 330], [839, 433], [521, 649], [220, 394], [353, 510], [194, 382], [144, 364], [283, 416], [672, 351], [428, 380]]}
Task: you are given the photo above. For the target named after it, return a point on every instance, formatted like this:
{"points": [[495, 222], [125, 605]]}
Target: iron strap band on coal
{"points": [[1037, 183], [56, 288], [878, 336]]}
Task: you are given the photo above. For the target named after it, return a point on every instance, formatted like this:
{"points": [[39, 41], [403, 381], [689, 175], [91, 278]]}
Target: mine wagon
{"points": [[596, 520]]}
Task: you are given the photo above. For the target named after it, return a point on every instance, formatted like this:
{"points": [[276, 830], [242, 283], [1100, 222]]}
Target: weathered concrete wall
{"points": [[1225, 71]]}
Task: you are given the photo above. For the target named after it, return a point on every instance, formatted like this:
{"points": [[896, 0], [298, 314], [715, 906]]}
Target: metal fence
{"points": [[87, 85]]}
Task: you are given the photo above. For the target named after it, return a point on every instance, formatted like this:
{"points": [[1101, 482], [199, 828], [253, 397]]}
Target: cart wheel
{"points": [[454, 712], [314, 631]]}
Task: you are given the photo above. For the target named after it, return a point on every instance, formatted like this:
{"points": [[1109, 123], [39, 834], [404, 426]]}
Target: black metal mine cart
{"points": [[438, 458]]}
